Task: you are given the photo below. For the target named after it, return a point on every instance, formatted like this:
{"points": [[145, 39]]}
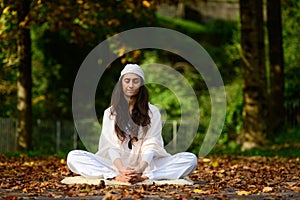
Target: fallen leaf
{"points": [[215, 164], [243, 193], [198, 191], [52, 195], [206, 160], [267, 189], [27, 177], [296, 189]]}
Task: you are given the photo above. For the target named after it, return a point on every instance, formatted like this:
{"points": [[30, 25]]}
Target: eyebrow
{"points": [[131, 78]]}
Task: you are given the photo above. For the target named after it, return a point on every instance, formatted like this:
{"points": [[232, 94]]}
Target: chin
{"points": [[131, 94]]}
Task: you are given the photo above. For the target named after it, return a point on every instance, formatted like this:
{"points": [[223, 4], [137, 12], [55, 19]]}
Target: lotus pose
{"points": [[131, 147]]}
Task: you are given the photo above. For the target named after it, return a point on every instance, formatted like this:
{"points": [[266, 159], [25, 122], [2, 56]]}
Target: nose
{"points": [[131, 84]]}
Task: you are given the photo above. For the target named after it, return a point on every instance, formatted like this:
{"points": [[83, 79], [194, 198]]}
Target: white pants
{"points": [[90, 165]]}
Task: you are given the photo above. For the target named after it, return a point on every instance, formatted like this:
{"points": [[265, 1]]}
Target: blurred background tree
{"points": [[255, 110], [63, 33], [275, 40]]}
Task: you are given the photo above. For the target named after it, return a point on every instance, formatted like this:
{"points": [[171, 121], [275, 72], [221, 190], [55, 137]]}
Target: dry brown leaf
{"points": [[219, 176], [296, 189]]}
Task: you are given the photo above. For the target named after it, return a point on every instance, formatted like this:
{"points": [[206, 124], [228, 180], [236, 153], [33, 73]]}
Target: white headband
{"points": [[133, 68]]}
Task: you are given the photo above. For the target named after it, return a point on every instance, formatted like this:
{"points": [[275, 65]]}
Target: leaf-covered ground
{"points": [[222, 177]]}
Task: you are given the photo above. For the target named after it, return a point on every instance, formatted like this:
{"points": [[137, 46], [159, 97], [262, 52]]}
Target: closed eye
{"points": [[135, 80]]}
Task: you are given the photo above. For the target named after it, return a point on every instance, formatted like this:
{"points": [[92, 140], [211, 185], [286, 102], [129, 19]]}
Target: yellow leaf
{"points": [[121, 51], [38, 99], [62, 161], [215, 163], [86, 6], [198, 191], [28, 163], [243, 192], [267, 189], [146, 4], [206, 160], [6, 10]]}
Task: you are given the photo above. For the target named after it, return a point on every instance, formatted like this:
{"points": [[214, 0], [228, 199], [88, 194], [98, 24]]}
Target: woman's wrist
{"points": [[119, 165], [143, 166]]}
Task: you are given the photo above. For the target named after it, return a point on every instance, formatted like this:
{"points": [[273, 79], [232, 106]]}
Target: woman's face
{"points": [[131, 84]]}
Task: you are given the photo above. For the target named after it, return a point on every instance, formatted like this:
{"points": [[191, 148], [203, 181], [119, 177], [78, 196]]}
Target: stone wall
{"points": [[204, 10], [215, 10]]}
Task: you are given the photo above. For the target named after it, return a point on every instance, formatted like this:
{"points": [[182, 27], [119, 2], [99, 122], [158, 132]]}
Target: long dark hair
{"points": [[139, 116]]}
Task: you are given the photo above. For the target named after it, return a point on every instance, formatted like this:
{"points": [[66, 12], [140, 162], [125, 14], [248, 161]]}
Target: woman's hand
{"points": [[137, 178], [126, 171], [130, 174], [136, 173]]}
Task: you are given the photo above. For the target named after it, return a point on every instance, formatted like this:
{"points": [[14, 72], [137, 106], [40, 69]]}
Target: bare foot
{"points": [[137, 179], [131, 179], [124, 179]]}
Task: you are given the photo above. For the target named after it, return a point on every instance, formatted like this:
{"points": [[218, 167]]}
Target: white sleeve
{"points": [[153, 145], [113, 154], [148, 156], [109, 145]]}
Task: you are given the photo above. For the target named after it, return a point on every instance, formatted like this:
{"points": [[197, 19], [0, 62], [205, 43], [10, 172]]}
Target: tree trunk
{"points": [[255, 108], [276, 65], [24, 83]]}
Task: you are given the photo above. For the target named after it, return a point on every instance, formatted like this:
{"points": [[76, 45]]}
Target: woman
{"points": [[131, 147]]}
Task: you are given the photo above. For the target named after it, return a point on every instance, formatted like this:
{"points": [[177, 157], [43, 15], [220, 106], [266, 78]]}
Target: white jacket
{"points": [[147, 148]]}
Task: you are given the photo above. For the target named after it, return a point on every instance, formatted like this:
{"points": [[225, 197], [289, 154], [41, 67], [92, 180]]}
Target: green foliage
{"points": [[233, 122], [221, 39], [55, 63], [214, 33], [63, 33], [291, 41], [8, 70], [172, 89]]}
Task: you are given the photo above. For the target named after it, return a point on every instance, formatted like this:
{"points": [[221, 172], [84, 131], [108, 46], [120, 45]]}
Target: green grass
{"points": [[286, 144], [223, 0], [214, 33], [181, 25], [59, 154]]}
